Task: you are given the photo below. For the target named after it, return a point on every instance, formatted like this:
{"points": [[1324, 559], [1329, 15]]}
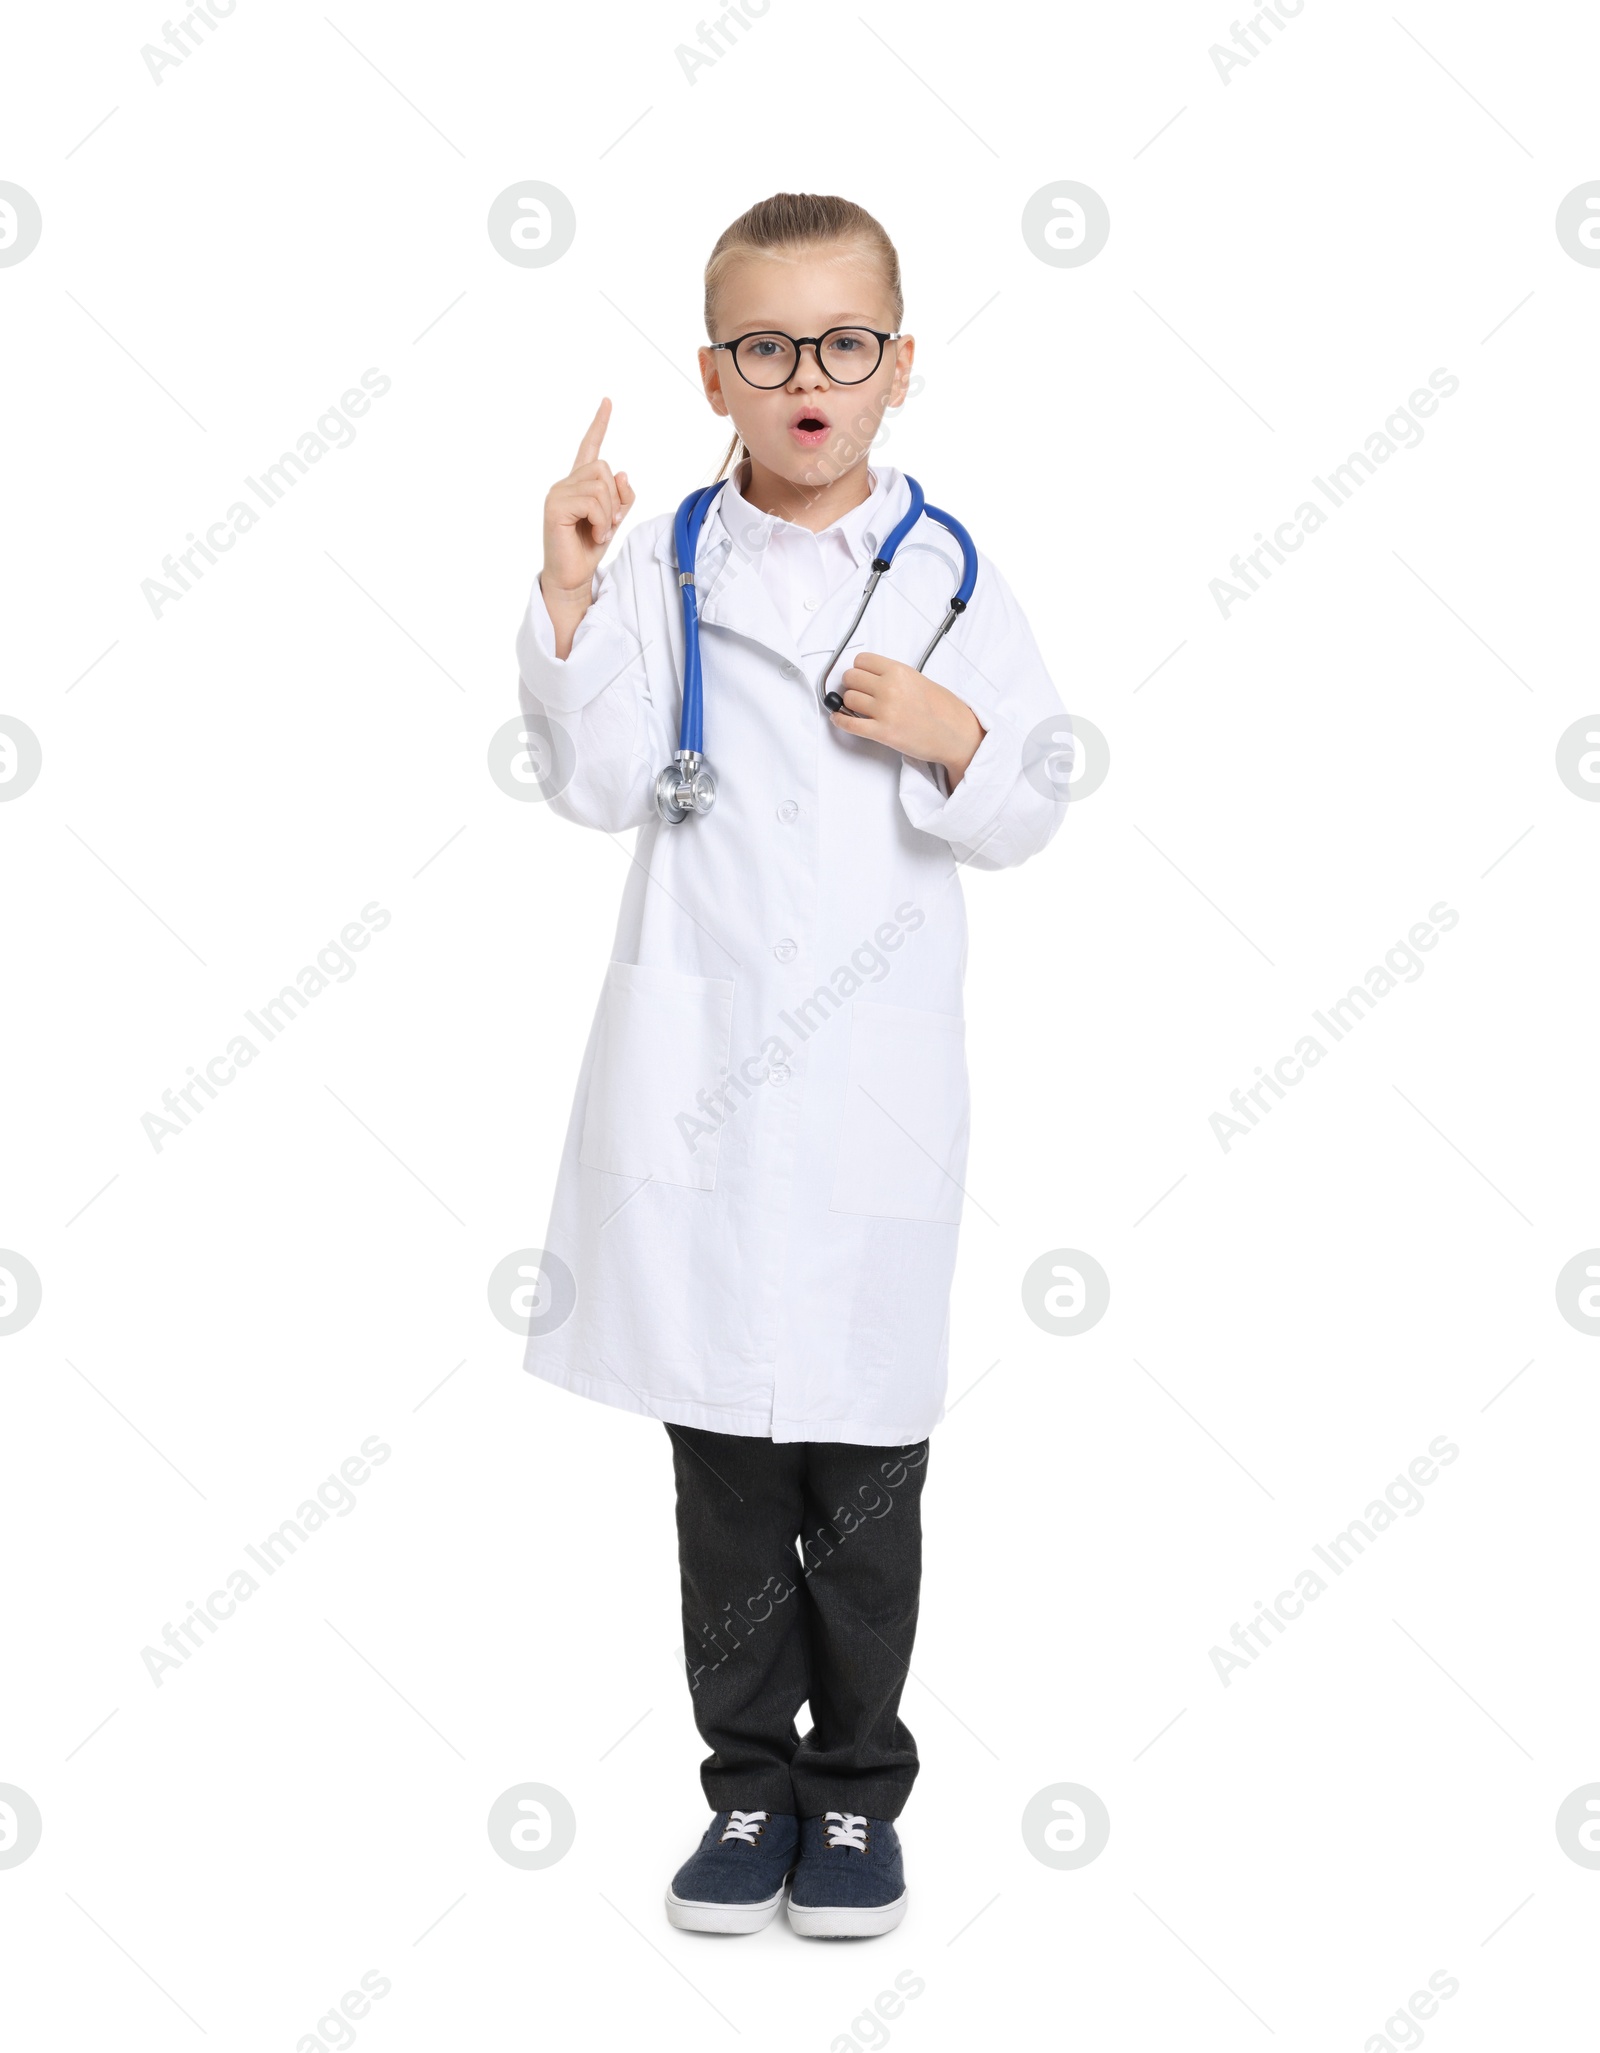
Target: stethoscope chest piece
{"points": [[685, 786]]}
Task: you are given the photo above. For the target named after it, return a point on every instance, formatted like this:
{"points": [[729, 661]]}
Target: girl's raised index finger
{"points": [[594, 435]]}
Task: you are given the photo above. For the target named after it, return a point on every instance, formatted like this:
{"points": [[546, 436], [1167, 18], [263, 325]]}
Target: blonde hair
{"points": [[792, 222]]}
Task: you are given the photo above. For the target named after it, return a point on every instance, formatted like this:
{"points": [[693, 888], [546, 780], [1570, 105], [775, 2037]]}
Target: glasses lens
{"points": [[850, 354], [765, 359]]}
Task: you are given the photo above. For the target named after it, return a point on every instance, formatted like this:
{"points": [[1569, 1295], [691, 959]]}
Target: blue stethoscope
{"points": [[686, 785]]}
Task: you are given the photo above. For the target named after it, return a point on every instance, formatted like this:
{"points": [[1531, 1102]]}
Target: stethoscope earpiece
{"points": [[687, 785]]}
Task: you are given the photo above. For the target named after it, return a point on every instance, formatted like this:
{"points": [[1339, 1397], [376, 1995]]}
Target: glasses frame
{"points": [[798, 342]]}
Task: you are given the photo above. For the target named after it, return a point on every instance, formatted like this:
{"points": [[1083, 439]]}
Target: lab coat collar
{"points": [[731, 592]]}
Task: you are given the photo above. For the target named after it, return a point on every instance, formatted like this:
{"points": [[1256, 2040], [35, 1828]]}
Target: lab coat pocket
{"points": [[903, 1135], [663, 1038]]}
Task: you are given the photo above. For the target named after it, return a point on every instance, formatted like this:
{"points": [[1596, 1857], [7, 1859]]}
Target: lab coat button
{"points": [[786, 951], [778, 1073], [812, 605], [790, 671], [788, 811]]}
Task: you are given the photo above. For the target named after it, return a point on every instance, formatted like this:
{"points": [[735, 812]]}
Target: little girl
{"points": [[755, 1221]]}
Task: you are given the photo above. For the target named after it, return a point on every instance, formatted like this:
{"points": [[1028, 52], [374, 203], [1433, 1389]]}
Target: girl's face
{"points": [[811, 429]]}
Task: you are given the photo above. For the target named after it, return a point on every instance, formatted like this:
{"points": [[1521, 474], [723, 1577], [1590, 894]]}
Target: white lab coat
{"points": [[759, 1195]]}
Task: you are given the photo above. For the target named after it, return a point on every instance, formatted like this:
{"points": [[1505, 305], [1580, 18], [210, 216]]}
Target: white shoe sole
{"points": [[723, 1917], [839, 1921]]}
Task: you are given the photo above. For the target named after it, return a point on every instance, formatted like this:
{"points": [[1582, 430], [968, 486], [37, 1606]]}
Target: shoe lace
{"points": [[846, 1828], [743, 1825]]}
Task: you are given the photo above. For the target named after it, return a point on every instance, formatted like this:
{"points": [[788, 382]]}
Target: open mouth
{"points": [[809, 427]]}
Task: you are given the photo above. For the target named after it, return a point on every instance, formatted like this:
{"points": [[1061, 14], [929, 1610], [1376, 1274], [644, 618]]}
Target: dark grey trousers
{"points": [[801, 1565]]}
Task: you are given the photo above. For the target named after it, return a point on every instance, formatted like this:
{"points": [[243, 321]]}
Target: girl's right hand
{"points": [[581, 516]]}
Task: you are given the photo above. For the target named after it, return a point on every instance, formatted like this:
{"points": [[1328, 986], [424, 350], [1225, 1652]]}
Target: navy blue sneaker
{"points": [[850, 1883], [734, 1880]]}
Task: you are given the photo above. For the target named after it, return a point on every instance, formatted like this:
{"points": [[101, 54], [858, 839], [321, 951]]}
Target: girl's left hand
{"points": [[891, 703]]}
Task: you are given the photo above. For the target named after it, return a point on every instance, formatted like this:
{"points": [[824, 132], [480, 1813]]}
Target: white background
{"points": [[1291, 789]]}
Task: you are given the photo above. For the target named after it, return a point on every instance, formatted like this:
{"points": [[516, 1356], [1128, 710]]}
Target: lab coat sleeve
{"points": [[1006, 806], [604, 694]]}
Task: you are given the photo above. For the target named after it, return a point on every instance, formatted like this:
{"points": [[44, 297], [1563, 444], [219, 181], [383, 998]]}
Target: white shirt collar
{"points": [[861, 530]]}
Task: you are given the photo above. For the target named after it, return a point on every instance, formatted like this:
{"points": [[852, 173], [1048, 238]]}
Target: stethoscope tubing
{"points": [[686, 528], [883, 562], [687, 523]]}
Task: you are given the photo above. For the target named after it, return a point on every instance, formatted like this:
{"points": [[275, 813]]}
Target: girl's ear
{"points": [[711, 379], [904, 353]]}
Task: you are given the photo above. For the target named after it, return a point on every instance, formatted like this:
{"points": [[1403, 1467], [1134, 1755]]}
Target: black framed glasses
{"points": [[845, 356]]}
